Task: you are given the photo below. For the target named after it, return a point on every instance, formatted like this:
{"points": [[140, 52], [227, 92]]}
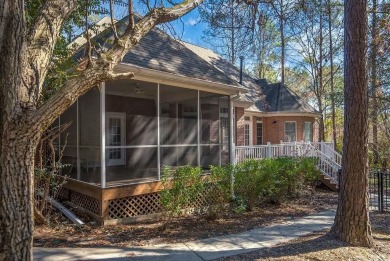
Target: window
{"points": [[115, 136], [247, 131], [259, 132], [290, 133], [307, 133]]}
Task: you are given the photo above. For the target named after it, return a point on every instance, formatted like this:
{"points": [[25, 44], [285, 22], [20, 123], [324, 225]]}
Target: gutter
{"points": [[286, 113], [151, 75]]}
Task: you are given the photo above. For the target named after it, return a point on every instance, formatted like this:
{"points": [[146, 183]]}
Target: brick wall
{"points": [[273, 127], [240, 122]]}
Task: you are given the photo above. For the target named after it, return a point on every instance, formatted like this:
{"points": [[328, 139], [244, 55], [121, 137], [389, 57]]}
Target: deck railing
{"points": [[329, 160]]}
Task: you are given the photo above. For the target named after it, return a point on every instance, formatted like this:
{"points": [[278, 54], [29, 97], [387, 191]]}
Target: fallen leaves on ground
{"points": [[180, 229]]}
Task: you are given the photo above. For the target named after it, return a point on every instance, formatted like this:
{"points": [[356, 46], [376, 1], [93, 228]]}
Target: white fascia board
{"points": [[283, 113], [150, 75]]}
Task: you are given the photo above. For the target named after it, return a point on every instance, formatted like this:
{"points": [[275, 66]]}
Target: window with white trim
{"points": [[115, 136], [259, 132], [247, 132], [307, 132], [290, 131]]}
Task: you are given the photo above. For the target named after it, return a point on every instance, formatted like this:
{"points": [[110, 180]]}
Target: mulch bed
{"points": [[63, 234], [322, 246]]}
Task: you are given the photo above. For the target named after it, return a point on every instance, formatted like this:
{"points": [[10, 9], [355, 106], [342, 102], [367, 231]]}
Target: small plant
{"points": [[47, 182]]}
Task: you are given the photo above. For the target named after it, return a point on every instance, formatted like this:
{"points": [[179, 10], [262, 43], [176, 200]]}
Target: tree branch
{"points": [[151, 19], [42, 38], [73, 89], [103, 68]]}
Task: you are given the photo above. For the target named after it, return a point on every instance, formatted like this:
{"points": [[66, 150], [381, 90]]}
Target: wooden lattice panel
{"points": [[63, 193], [135, 206], [86, 202]]}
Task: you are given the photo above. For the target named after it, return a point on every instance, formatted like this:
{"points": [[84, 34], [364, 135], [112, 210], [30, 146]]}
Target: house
{"points": [[185, 105]]}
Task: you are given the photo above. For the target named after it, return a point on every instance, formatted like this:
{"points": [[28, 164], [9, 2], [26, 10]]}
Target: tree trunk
{"points": [[16, 200], [334, 136], [282, 41], [321, 130], [17, 144], [374, 82], [352, 223]]}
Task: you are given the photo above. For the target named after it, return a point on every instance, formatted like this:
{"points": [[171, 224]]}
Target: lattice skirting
{"points": [[88, 203], [148, 204], [134, 206]]}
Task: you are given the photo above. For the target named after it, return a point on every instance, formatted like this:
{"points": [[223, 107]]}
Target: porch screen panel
{"points": [[131, 132], [89, 137], [213, 113], [178, 126], [68, 142]]}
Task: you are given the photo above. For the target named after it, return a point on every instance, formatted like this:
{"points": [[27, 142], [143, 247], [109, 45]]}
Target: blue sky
{"points": [[189, 27]]}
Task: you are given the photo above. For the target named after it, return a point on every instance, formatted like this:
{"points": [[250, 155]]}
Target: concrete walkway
{"points": [[204, 249]]}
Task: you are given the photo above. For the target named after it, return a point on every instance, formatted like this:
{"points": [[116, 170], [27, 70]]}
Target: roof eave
{"points": [[150, 75], [288, 113]]}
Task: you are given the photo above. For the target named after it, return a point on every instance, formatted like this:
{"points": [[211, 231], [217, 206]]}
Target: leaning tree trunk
{"points": [[17, 199], [17, 144], [352, 221]]}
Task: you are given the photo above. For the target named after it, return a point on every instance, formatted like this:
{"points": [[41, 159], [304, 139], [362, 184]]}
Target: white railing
{"points": [[329, 160], [272, 151], [328, 166]]}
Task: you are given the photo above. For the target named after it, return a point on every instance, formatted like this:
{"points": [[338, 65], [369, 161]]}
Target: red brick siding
{"points": [[273, 127], [240, 121]]}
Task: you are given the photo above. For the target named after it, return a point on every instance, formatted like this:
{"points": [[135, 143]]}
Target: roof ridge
{"points": [[298, 98]]}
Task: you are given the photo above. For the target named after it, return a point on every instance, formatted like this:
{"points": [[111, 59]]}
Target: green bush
{"points": [[181, 188], [273, 180], [186, 185], [255, 181]]}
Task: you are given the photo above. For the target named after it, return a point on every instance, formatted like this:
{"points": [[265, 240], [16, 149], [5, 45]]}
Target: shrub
{"points": [[181, 187], [273, 180], [186, 185]]}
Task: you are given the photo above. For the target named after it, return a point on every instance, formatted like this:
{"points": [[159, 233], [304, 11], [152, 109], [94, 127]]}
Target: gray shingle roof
{"points": [[159, 51], [266, 97]]}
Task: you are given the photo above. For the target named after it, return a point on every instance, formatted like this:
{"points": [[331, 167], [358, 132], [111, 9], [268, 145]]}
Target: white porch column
{"points": [[198, 126], [158, 132], [78, 141], [231, 136], [103, 134], [232, 147]]}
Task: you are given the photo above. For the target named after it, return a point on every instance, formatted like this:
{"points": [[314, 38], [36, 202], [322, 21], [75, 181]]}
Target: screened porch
{"points": [[128, 131]]}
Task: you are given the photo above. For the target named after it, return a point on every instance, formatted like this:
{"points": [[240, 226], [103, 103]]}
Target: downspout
{"points": [[232, 147]]}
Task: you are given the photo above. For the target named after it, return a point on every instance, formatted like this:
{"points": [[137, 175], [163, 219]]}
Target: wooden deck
{"points": [[119, 204]]}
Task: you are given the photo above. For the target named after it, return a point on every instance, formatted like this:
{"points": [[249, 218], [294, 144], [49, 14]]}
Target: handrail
{"points": [[329, 160]]}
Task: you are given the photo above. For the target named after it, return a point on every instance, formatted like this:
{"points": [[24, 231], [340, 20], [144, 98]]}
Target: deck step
{"points": [[329, 183]]}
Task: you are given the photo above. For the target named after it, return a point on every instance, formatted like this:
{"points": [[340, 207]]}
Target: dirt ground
{"points": [[321, 246], [63, 234]]}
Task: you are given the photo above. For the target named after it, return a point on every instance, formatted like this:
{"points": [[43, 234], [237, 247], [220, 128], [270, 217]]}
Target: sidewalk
{"points": [[204, 249]]}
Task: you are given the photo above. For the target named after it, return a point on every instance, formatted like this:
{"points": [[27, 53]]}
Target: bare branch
{"points": [[154, 17], [43, 37], [103, 69], [112, 20], [131, 15], [88, 47]]}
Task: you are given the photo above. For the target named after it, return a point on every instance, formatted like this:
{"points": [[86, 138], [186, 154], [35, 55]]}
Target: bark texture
{"points": [[24, 59], [352, 221]]}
